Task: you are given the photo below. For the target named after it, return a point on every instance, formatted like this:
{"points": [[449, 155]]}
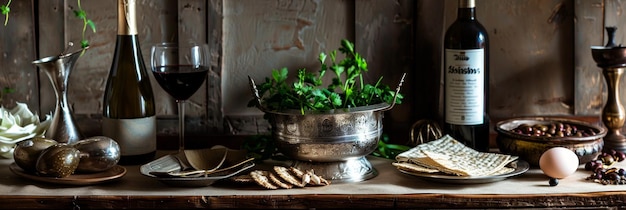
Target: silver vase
{"points": [[58, 68]]}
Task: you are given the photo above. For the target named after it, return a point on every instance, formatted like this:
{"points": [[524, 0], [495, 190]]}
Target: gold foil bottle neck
{"points": [[467, 3], [126, 21]]}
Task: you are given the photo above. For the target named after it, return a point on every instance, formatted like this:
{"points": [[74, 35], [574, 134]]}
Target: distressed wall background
{"points": [[540, 54]]}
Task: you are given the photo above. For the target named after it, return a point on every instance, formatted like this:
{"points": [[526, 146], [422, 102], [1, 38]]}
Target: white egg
{"points": [[558, 162]]}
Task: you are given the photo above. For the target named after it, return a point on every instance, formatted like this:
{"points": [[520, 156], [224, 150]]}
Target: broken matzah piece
{"points": [[450, 156]]}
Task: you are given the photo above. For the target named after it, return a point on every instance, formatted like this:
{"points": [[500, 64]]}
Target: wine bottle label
{"points": [[126, 21], [135, 136], [465, 85]]}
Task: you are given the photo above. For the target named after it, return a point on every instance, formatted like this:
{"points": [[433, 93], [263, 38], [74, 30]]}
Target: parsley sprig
{"points": [[346, 89]]}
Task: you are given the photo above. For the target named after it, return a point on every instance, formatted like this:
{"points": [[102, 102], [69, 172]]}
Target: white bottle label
{"points": [[465, 86], [135, 136]]}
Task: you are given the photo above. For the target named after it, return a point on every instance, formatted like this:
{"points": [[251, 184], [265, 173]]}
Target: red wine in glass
{"points": [[180, 81]]}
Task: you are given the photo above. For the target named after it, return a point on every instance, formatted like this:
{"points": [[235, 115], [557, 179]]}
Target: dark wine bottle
{"points": [[466, 79], [128, 105]]}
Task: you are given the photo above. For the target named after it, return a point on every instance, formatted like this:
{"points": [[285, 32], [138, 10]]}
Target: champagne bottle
{"points": [[128, 105], [466, 79]]}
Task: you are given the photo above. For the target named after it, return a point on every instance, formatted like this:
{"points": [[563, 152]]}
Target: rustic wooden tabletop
{"points": [[389, 189]]}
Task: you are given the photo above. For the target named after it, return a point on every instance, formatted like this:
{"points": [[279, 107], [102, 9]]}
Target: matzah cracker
{"points": [[413, 167], [478, 164], [261, 178], [453, 157], [279, 182], [445, 145], [244, 178], [504, 170], [287, 176]]}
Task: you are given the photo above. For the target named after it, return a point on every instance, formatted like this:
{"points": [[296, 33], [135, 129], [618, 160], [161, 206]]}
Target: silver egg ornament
{"points": [[26, 152], [98, 153], [59, 160]]}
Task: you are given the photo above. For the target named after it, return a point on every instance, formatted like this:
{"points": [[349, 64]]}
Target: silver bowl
{"points": [[333, 143], [332, 136]]}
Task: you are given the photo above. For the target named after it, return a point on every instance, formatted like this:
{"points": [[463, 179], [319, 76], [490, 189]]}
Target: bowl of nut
{"points": [[529, 137]]}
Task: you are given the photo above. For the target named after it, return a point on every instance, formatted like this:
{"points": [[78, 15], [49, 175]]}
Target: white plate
{"points": [[520, 166], [170, 163]]}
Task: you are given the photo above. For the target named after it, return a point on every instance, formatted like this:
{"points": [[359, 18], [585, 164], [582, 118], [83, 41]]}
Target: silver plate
{"points": [[520, 166], [169, 163]]}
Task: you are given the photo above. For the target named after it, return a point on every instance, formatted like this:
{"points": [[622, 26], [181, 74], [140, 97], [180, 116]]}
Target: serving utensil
{"points": [[198, 173], [200, 162]]}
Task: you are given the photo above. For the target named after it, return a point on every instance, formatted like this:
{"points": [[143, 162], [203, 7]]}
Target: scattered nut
{"points": [[555, 129]]}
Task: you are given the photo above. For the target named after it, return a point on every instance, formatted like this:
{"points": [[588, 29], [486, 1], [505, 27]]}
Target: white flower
{"points": [[19, 124]]}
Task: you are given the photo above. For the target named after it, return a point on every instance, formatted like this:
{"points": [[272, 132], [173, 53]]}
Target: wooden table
{"points": [[390, 189]]}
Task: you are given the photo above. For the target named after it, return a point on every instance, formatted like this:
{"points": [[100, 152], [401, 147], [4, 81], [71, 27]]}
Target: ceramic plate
{"points": [[75, 179], [520, 166], [170, 163]]}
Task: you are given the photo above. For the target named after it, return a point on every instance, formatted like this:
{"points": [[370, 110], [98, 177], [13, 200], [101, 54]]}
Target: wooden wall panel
{"points": [[17, 45], [51, 41], [263, 35], [384, 36], [530, 55], [589, 83], [215, 112], [540, 65], [88, 78], [429, 27], [192, 27]]}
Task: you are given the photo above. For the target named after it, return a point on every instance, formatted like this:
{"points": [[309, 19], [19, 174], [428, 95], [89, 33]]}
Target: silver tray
{"points": [[520, 166], [169, 163]]}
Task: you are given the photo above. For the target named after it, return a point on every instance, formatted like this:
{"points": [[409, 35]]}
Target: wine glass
{"points": [[180, 69]]}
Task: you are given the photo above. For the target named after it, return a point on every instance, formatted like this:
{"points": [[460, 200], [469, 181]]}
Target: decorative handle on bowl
{"points": [[255, 91], [395, 95]]}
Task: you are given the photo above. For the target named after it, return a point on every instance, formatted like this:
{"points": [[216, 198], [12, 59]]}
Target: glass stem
{"points": [[181, 126]]}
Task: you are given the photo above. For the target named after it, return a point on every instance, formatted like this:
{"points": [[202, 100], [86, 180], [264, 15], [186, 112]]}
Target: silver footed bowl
{"points": [[331, 136]]}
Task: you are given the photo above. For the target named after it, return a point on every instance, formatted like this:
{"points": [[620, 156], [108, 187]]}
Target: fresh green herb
{"points": [[6, 90], [79, 13], [306, 93], [388, 150], [5, 9], [261, 147]]}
